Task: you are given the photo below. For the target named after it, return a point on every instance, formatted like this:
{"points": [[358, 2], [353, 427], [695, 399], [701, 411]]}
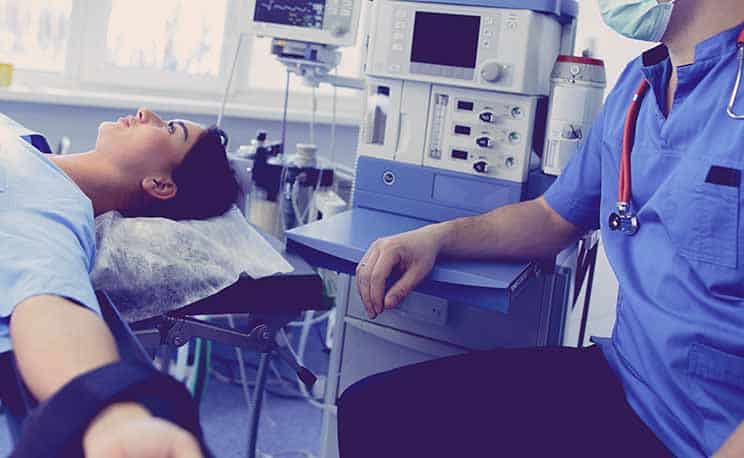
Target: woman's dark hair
{"points": [[206, 185]]}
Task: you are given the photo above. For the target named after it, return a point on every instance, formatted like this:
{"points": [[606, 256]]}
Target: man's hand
{"points": [[527, 230], [412, 253], [129, 431]]}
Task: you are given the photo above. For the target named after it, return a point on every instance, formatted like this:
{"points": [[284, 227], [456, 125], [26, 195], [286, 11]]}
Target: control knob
{"points": [[339, 30], [492, 72], [481, 166], [484, 141], [487, 116]]}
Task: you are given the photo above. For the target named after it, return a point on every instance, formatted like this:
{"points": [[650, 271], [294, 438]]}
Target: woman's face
{"points": [[145, 144]]}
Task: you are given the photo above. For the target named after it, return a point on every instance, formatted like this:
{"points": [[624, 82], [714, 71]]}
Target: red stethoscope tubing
{"points": [[624, 220], [624, 183]]}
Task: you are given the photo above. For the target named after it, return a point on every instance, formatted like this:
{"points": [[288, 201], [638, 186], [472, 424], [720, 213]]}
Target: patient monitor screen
{"points": [[298, 13], [445, 39]]}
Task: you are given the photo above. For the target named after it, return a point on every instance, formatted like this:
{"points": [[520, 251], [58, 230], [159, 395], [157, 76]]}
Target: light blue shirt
{"points": [[47, 232], [678, 341]]}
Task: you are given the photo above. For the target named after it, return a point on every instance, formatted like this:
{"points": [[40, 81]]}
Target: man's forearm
{"points": [[529, 229], [55, 340]]}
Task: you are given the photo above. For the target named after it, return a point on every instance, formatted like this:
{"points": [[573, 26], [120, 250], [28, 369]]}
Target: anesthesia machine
{"points": [[457, 103]]}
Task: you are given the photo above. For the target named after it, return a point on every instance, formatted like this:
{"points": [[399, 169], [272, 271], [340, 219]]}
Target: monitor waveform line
{"points": [[302, 9]]}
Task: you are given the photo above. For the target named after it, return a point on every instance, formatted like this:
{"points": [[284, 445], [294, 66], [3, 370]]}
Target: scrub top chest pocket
{"points": [[701, 209]]}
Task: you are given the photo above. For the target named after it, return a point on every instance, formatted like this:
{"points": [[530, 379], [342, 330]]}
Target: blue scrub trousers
{"points": [[532, 402]]}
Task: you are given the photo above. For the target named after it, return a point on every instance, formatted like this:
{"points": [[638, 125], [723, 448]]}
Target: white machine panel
{"points": [[490, 48], [480, 132], [395, 120], [329, 22]]}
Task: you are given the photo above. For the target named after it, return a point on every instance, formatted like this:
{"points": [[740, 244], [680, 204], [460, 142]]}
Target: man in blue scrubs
{"points": [[141, 165], [673, 371]]}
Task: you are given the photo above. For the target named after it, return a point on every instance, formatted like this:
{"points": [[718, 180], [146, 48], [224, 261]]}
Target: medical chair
{"points": [[271, 303]]}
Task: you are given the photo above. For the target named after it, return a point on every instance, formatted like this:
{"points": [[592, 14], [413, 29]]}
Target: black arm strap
{"points": [[56, 427]]}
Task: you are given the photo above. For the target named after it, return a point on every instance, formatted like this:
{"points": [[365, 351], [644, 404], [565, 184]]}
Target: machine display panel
{"points": [[298, 13], [445, 39]]}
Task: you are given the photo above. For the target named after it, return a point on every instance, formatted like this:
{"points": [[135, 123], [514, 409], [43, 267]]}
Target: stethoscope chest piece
{"points": [[624, 220]]}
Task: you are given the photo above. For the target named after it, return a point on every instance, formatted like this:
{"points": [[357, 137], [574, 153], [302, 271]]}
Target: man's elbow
{"points": [[563, 232]]}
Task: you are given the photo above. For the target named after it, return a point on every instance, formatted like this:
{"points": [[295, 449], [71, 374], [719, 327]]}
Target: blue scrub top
{"points": [[47, 231], [678, 341]]}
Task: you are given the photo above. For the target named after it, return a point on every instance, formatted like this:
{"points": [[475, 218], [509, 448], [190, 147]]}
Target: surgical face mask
{"points": [[645, 20]]}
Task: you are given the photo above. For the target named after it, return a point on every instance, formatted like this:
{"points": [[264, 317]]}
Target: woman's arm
{"points": [[54, 341]]}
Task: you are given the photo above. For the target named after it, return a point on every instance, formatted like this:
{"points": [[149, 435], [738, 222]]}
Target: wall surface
{"points": [[80, 124]]}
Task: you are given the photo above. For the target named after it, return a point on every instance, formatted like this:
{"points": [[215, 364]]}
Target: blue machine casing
{"points": [[414, 197], [428, 193], [339, 242]]}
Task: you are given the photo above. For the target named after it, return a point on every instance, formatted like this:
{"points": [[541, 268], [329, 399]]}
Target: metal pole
{"points": [[164, 354], [258, 393], [588, 295]]}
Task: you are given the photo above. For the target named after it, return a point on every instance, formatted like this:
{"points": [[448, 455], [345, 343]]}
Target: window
{"points": [[34, 33], [172, 48], [174, 35]]}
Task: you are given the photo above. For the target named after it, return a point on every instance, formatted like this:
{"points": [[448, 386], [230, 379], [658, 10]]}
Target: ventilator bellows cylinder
{"points": [[576, 95]]}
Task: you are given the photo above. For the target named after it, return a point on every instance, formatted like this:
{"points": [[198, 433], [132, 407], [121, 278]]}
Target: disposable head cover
{"points": [[645, 20], [149, 266]]}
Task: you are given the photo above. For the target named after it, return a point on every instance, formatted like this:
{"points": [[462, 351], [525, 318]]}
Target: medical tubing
{"points": [[280, 223], [303, 389], [333, 123], [284, 111], [273, 388], [316, 320], [229, 81], [191, 380], [241, 366], [313, 112], [295, 206], [304, 333], [624, 184]]}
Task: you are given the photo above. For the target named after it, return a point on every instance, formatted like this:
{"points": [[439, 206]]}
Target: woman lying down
{"points": [[141, 166]]}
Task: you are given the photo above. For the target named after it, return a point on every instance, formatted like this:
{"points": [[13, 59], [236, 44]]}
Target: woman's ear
{"points": [[160, 187]]}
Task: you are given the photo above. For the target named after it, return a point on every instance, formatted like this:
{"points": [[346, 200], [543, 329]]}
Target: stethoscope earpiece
{"points": [[730, 110]]}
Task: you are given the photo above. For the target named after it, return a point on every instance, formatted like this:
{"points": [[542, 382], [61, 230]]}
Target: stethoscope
{"points": [[624, 220]]}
